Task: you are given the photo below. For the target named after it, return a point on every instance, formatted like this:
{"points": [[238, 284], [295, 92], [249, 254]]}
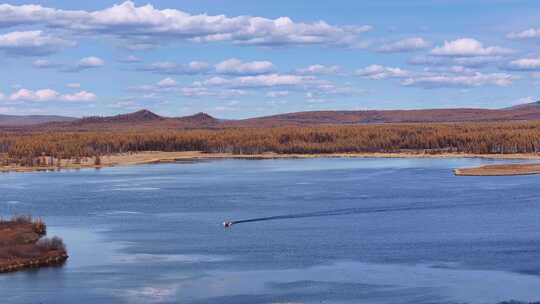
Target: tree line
{"points": [[481, 138]]}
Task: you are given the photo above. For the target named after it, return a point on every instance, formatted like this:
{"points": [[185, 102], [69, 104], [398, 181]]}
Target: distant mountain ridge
{"points": [[28, 120], [147, 119], [526, 105]]}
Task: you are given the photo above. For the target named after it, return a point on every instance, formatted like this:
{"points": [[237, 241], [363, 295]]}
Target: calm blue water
{"points": [[353, 231]]}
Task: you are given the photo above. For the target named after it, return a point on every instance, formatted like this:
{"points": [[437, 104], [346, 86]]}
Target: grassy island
{"points": [[23, 245]]}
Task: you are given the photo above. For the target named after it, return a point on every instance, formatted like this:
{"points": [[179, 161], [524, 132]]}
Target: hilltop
{"points": [[147, 119]]}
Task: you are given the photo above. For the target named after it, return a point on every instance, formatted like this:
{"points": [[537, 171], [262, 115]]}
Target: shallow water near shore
{"points": [[343, 231]]}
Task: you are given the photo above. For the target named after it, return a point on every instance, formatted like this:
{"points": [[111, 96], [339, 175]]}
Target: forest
{"points": [[22, 148]]}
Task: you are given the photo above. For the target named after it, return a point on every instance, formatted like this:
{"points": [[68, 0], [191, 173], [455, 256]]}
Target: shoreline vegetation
{"points": [[23, 245], [116, 145], [154, 157]]}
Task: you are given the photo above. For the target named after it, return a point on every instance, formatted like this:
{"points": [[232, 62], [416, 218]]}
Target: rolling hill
{"points": [[28, 120], [148, 119]]}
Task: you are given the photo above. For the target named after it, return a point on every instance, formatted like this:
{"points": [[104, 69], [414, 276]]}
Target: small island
{"points": [[23, 245], [500, 170]]}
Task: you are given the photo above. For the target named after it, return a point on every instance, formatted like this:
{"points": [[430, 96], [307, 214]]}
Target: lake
{"points": [[343, 231]]}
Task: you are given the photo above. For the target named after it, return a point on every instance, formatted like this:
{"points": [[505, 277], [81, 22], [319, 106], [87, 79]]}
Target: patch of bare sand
{"points": [[500, 170]]}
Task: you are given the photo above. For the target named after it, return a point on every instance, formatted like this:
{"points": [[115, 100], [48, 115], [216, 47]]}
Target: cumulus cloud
{"points": [[318, 69], [80, 96], [378, 72], [172, 68], [90, 62], [524, 64], [405, 45], [531, 33], [465, 47], [438, 76], [146, 25], [44, 95], [39, 95], [31, 43], [258, 81], [234, 66], [476, 79], [86, 63]]}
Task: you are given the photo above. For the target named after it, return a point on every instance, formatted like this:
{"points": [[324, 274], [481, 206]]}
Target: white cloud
{"points": [[85, 63], [171, 68], [405, 45], [167, 83], [452, 80], [524, 64], [90, 62], [378, 72], [80, 96], [318, 69], [465, 47], [29, 95], [258, 81], [146, 25], [44, 95], [234, 66], [531, 33], [31, 43]]}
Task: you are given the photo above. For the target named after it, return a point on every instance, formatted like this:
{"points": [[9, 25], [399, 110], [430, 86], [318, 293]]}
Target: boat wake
{"points": [[345, 211]]}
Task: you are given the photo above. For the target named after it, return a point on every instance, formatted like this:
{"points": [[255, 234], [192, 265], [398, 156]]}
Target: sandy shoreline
{"points": [[129, 159], [499, 170]]}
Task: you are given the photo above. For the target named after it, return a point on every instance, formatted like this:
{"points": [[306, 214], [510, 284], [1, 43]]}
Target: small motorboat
{"points": [[227, 224]]}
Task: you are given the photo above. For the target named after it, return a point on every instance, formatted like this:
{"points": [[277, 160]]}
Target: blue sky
{"points": [[236, 59]]}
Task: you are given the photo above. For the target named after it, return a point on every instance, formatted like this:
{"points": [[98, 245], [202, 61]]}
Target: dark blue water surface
{"points": [[347, 231]]}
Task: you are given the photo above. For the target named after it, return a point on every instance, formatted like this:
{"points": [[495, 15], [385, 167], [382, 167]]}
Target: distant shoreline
{"points": [[129, 159]]}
